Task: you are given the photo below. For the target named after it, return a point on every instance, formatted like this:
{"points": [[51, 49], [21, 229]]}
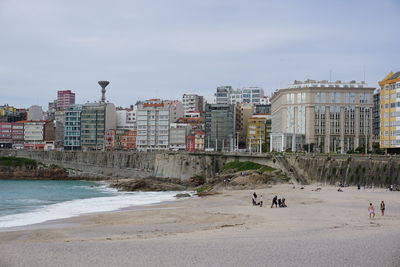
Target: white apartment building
{"points": [[126, 119], [228, 95], [153, 120], [192, 103], [34, 132]]}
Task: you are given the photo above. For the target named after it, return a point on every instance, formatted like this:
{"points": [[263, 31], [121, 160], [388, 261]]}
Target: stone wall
{"points": [[347, 169], [327, 169]]}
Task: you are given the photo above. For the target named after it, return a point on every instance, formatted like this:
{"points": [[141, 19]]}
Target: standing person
{"points": [[261, 201], [254, 199], [383, 208], [371, 210], [274, 202]]}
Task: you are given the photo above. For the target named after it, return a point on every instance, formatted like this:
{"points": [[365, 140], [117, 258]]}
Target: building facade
{"points": [[192, 103], [220, 127], [11, 134], [35, 113], [258, 132], [228, 95], [389, 99], [126, 119], [153, 119], [178, 133], [96, 119], [329, 116], [72, 128], [376, 117], [243, 112], [65, 98]]}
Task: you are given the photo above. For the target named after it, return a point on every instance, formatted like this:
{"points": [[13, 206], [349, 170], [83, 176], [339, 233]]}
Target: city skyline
{"points": [[165, 50]]}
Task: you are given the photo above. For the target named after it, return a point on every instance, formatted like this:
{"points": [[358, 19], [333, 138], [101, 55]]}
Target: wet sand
{"points": [[325, 228]]}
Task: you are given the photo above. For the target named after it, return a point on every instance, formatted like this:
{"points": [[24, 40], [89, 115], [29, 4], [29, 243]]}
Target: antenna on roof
{"points": [[330, 75]]}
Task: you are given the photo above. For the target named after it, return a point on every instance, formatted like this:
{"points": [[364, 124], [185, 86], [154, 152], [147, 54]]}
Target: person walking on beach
{"points": [[383, 208], [274, 202], [371, 210]]}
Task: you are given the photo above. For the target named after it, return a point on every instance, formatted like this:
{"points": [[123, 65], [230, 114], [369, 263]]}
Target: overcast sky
{"points": [[164, 48]]}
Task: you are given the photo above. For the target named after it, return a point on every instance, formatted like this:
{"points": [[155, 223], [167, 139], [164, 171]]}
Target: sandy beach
{"points": [[319, 228]]}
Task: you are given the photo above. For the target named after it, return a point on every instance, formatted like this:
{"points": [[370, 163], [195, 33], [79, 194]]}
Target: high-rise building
{"points": [[96, 119], [72, 128], [220, 127], [390, 113], [192, 103], [65, 98], [153, 120], [331, 116]]}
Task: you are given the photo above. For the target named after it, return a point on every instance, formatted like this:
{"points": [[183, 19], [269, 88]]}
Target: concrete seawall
{"points": [[349, 169], [320, 168]]}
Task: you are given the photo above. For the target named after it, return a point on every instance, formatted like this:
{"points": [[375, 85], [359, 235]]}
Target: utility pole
{"points": [[260, 145]]}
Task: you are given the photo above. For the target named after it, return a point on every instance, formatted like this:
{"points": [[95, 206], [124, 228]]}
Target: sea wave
{"points": [[77, 207]]}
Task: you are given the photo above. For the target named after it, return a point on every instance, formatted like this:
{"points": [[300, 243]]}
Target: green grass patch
{"points": [[16, 161], [246, 166]]}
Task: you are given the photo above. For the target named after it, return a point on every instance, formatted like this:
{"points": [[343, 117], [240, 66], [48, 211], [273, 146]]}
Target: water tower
{"points": [[103, 85]]}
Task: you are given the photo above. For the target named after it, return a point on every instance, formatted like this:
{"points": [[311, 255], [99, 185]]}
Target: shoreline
{"points": [[223, 230]]}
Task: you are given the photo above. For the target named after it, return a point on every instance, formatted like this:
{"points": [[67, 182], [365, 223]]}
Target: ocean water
{"points": [[25, 202]]}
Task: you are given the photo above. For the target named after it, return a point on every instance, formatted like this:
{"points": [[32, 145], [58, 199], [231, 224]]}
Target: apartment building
{"points": [[176, 109], [11, 134], [72, 128], [192, 103], [333, 116], [258, 132], [126, 119], [153, 120], [389, 98], [65, 98], [228, 95], [96, 119]]}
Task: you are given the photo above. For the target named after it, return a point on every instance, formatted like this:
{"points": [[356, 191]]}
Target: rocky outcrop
{"points": [[148, 184], [27, 172]]}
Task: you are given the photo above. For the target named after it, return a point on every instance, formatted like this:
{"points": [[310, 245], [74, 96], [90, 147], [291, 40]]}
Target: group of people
{"points": [[275, 201], [278, 202], [371, 210], [254, 200]]}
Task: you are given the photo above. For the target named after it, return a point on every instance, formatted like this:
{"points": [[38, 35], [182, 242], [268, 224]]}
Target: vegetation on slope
{"points": [[246, 166], [16, 161]]}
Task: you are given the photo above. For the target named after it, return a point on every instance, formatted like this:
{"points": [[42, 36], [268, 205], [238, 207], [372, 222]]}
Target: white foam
{"points": [[83, 206]]}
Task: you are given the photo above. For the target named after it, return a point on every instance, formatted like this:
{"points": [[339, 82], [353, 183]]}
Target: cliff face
{"points": [[30, 172]]}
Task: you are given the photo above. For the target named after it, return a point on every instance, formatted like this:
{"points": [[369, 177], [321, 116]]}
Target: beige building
{"points": [[329, 116]]}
